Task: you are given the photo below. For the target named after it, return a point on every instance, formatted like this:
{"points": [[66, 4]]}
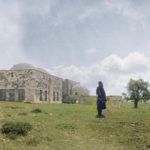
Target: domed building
{"points": [[73, 92], [79, 90], [27, 83], [22, 66], [26, 66], [24, 82]]}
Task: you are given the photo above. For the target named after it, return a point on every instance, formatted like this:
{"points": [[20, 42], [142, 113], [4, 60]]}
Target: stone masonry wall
{"points": [[14, 81], [33, 85]]}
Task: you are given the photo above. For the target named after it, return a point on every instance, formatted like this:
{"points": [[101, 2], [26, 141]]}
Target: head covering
{"points": [[100, 83]]}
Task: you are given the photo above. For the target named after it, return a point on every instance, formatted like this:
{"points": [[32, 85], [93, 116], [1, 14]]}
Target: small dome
{"points": [[80, 90], [25, 66], [22, 66], [77, 87]]}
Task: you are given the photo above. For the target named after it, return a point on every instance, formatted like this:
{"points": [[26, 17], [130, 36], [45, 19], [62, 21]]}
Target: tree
{"points": [[138, 90]]}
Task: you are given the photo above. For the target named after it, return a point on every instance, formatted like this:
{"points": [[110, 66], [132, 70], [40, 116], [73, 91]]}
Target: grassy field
{"points": [[75, 127]]}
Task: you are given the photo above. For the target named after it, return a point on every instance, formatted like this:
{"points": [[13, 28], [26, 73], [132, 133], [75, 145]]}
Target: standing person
{"points": [[101, 99]]}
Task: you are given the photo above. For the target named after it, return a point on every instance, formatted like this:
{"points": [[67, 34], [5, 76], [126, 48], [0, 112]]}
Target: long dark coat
{"points": [[101, 98]]}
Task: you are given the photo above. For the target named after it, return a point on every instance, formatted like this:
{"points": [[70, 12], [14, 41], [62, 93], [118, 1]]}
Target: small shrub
{"points": [[12, 136], [13, 129], [36, 110], [148, 146]]}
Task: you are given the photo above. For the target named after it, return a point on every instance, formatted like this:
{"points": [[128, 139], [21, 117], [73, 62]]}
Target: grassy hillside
{"points": [[75, 127]]}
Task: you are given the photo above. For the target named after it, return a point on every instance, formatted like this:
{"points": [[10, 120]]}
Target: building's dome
{"points": [[77, 87], [22, 66], [25, 66], [79, 90]]}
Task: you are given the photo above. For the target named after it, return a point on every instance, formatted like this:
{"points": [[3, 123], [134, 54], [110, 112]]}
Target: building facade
{"points": [[24, 82]]}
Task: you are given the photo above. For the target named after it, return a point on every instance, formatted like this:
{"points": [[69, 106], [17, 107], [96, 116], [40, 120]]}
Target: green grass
{"points": [[75, 127]]}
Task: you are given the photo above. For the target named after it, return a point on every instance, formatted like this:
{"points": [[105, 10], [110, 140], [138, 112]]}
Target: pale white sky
{"points": [[84, 40]]}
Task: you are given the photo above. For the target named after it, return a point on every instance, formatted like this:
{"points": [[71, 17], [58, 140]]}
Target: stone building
{"points": [[24, 82], [79, 90], [68, 86], [73, 92]]}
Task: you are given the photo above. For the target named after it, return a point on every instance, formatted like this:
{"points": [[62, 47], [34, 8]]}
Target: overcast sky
{"points": [[84, 40]]}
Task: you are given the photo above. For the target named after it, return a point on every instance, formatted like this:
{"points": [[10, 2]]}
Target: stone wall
{"points": [[67, 86], [41, 86], [73, 91], [12, 82], [36, 85]]}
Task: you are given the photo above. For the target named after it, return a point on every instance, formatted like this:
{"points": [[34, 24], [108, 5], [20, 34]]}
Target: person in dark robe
{"points": [[101, 99]]}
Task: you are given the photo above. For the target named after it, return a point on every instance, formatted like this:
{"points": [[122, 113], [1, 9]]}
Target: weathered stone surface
{"points": [[38, 86], [25, 82]]}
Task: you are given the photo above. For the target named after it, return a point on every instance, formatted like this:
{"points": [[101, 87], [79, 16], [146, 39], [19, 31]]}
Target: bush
{"points": [[37, 110], [13, 129]]}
